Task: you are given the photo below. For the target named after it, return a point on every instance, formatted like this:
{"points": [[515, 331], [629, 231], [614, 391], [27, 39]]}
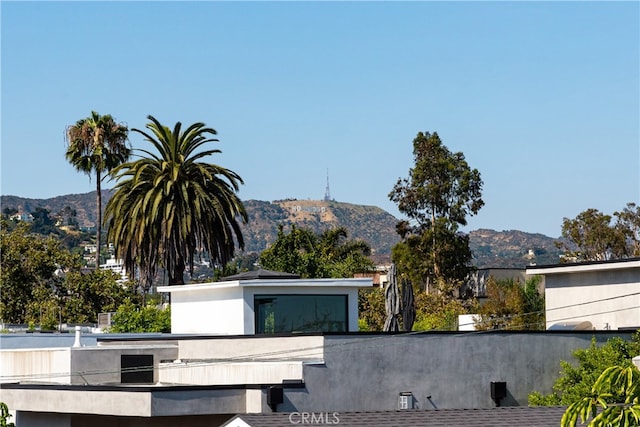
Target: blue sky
{"points": [[541, 97]]}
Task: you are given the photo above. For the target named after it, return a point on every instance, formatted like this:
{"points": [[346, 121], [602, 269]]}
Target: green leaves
{"points": [[440, 185], [97, 143], [439, 194], [29, 263], [5, 416], [169, 204], [132, 318], [593, 236], [329, 254], [617, 383], [604, 387], [510, 305], [41, 282]]}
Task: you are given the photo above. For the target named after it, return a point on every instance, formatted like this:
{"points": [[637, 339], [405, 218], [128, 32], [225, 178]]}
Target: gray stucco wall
{"points": [[101, 365], [368, 373]]}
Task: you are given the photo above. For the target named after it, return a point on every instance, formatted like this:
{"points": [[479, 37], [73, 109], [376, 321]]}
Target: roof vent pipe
{"points": [[76, 343]]}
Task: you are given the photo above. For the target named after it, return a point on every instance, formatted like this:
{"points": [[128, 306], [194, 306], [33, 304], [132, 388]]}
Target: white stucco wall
{"points": [[605, 294], [229, 373], [43, 365], [203, 309], [605, 306]]}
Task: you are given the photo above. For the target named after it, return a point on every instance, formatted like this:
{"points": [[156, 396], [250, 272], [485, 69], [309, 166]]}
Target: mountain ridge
{"points": [[491, 248]]}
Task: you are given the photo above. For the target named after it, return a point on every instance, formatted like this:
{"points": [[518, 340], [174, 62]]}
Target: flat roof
{"points": [[616, 264], [364, 282]]}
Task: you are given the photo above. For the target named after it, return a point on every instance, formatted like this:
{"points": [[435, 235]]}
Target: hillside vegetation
{"points": [[497, 249]]}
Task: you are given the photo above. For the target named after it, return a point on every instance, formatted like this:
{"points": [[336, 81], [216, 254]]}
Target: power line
{"points": [[371, 342], [321, 348]]}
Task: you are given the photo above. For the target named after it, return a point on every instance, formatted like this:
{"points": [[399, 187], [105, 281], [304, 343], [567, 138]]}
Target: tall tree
{"points": [[43, 223], [439, 194], [293, 252], [628, 222], [168, 204], [594, 236], [97, 144]]}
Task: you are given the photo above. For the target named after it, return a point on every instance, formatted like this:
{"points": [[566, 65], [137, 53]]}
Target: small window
{"points": [[136, 369], [300, 313]]}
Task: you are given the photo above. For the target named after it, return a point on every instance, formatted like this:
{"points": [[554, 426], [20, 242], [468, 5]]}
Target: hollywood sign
{"points": [[312, 209]]}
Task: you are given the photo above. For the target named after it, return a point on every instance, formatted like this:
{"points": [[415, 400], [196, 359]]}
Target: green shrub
{"points": [[132, 318], [576, 382]]}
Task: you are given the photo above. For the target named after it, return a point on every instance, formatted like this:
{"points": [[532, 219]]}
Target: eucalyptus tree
{"points": [[595, 236], [442, 190], [169, 203], [628, 221], [97, 144]]}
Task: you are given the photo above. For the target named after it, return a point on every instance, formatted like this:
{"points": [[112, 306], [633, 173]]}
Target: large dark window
{"points": [[300, 313]]}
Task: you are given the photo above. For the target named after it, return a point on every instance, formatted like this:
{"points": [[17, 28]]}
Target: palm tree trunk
{"points": [[176, 273], [99, 217]]}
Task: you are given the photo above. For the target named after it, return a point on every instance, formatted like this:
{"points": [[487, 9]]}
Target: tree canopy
{"points": [[622, 384], [442, 190], [576, 381], [149, 318], [595, 236], [311, 255], [41, 282], [168, 204], [512, 305]]}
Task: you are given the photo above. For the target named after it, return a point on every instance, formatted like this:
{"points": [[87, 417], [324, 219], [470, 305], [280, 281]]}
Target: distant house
{"points": [[117, 266], [379, 275], [21, 216], [606, 294], [476, 282]]}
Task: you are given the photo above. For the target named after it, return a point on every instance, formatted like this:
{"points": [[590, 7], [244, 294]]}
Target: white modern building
{"points": [[605, 294], [248, 348], [266, 302], [117, 266]]}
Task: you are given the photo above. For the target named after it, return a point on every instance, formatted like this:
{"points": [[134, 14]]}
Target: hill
{"points": [[512, 249], [498, 249]]}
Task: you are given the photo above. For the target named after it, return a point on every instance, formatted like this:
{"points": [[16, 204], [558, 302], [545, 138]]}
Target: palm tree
{"points": [[97, 144], [167, 205]]}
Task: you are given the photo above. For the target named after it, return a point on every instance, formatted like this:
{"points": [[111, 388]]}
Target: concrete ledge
{"points": [[227, 373], [123, 401]]}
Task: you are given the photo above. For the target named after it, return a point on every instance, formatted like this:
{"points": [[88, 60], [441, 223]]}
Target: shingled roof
{"points": [[524, 416]]}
